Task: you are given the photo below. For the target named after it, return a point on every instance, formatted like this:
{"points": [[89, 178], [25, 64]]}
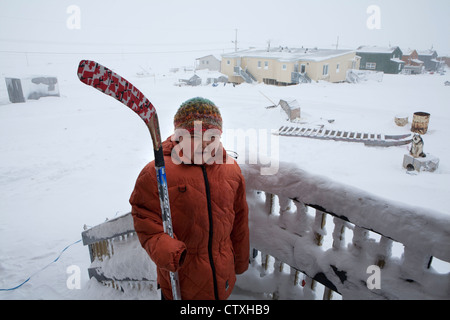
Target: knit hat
{"points": [[198, 109]]}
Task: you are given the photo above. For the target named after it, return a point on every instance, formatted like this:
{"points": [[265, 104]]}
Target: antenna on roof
{"points": [[337, 43], [235, 41]]}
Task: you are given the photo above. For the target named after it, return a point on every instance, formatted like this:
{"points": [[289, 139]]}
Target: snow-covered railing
{"points": [[297, 77], [238, 71], [117, 257], [356, 75], [299, 225], [288, 213]]}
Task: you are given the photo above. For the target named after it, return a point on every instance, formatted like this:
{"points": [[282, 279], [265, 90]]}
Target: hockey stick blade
{"points": [[110, 83]]}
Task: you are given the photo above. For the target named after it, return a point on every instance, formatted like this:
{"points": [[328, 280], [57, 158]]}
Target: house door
{"points": [[14, 90], [302, 69]]}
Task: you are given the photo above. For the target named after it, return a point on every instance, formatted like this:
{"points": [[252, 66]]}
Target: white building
{"points": [[209, 62]]}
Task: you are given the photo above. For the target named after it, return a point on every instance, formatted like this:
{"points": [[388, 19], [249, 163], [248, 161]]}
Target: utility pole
{"points": [[235, 41]]}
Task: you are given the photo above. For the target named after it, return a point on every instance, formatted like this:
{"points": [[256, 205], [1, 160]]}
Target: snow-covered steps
{"points": [[369, 139]]}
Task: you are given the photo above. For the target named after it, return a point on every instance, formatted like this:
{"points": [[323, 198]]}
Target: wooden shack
{"points": [[20, 89], [291, 107]]}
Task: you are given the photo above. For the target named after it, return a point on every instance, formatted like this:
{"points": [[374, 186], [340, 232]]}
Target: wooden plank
{"points": [[295, 131]]}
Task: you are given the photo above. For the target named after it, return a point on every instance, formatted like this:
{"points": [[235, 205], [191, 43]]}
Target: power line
{"points": [[115, 44]]}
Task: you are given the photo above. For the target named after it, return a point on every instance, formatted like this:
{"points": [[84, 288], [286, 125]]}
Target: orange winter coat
{"points": [[210, 223]]}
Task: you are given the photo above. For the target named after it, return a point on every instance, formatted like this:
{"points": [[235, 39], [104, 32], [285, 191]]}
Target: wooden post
{"points": [[319, 224]]}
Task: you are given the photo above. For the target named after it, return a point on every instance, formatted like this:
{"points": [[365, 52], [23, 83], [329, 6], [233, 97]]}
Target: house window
{"points": [[228, 62], [337, 68], [325, 70], [259, 64], [284, 67], [371, 65], [266, 65]]}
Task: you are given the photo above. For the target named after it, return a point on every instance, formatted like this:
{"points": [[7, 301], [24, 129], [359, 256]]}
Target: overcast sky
{"points": [[131, 25]]}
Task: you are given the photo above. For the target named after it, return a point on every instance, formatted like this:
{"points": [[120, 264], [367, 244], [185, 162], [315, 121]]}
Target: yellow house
{"points": [[285, 66]]}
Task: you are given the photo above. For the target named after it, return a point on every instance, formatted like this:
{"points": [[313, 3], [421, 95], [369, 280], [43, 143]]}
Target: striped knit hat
{"points": [[198, 109]]}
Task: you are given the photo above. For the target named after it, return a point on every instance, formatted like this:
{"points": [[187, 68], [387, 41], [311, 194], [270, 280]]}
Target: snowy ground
{"points": [[70, 161]]}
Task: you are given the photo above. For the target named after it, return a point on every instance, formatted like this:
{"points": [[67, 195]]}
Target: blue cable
{"points": [[28, 279]]}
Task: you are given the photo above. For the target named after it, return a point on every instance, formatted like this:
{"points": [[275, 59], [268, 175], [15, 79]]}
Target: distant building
{"points": [[286, 66], [413, 65], [194, 81], [429, 57], [445, 60], [385, 59], [203, 77], [209, 62]]}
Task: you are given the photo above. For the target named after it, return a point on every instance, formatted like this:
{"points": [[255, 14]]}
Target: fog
{"points": [[206, 26]]}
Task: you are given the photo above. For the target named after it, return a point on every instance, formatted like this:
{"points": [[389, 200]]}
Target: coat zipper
{"points": [[210, 239]]}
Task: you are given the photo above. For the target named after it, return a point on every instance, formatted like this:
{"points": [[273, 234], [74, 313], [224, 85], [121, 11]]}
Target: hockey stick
{"points": [[103, 79]]}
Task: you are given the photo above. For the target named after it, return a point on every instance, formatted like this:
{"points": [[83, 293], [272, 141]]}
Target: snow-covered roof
{"points": [[375, 49], [209, 55], [428, 52], [397, 60], [408, 52], [417, 61], [290, 54]]}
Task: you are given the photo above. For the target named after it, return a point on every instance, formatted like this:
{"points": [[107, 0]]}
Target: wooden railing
{"points": [[312, 238], [117, 257]]}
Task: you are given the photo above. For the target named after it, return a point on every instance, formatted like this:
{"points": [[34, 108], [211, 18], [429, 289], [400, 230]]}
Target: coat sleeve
{"points": [[166, 252], [240, 233]]}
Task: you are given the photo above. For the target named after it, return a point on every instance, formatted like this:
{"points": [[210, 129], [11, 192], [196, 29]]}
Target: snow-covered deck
{"points": [[299, 223]]}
